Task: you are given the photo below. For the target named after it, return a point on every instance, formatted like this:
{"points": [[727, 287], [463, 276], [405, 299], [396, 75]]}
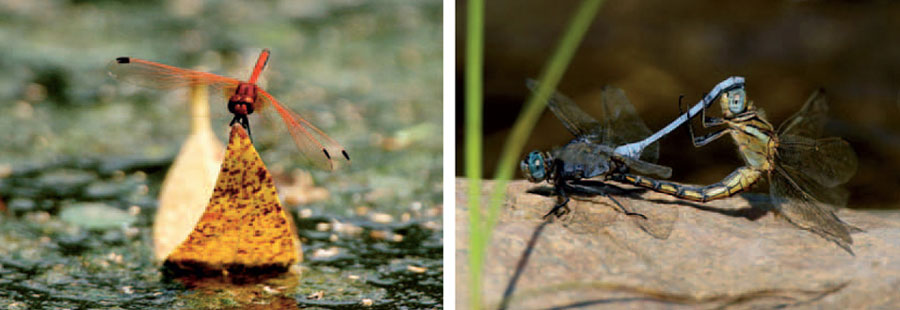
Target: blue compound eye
{"points": [[533, 167], [737, 100]]}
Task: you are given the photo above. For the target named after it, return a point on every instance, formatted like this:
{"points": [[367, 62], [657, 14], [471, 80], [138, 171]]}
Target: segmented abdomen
{"points": [[738, 181]]}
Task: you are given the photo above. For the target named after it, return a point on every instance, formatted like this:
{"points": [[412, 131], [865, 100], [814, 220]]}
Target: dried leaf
{"points": [[189, 182], [244, 228]]}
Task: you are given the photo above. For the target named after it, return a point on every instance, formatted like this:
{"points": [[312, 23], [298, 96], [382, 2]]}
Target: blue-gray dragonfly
{"points": [[591, 153]]}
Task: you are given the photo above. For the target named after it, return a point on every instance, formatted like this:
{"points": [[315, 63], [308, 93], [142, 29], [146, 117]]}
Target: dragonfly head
{"points": [[536, 166], [733, 102], [243, 99]]}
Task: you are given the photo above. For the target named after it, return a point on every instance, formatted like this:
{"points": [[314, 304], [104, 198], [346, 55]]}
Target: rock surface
{"points": [[731, 253]]}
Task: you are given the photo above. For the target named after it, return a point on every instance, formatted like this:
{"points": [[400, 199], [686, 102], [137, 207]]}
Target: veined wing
{"points": [[573, 118], [829, 161], [803, 210], [810, 120], [317, 148], [156, 75], [831, 197], [657, 221], [620, 123], [623, 125], [645, 168]]}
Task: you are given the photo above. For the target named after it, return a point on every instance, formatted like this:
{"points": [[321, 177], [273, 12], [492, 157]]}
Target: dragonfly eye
{"points": [[737, 101], [533, 167]]}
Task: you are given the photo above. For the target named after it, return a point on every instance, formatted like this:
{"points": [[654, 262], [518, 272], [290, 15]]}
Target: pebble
{"points": [[106, 190], [325, 253], [305, 213], [21, 205], [317, 295], [65, 182], [96, 216], [382, 218]]}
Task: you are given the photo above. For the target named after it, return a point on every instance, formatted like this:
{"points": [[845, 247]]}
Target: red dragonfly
{"points": [[245, 98]]}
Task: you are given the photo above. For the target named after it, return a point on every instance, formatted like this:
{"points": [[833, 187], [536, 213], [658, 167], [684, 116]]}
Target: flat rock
{"points": [[731, 253]]}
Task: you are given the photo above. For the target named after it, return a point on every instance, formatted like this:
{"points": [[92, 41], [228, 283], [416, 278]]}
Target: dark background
{"points": [[657, 50]]}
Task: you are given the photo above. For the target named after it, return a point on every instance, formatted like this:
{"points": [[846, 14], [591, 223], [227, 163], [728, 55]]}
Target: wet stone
{"points": [[113, 237], [74, 244], [22, 191], [96, 216], [108, 189], [65, 182], [146, 164], [21, 205]]}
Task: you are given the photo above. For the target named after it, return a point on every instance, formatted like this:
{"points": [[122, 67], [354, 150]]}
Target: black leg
{"points": [[621, 207], [707, 122], [246, 125], [690, 125], [578, 186], [704, 140], [560, 192]]}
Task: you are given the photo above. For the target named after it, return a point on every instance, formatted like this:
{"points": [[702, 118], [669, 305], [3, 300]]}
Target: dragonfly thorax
{"points": [[582, 159]]}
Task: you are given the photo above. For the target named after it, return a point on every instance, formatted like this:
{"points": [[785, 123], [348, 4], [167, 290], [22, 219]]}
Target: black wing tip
{"points": [[347, 156], [123, 60]]}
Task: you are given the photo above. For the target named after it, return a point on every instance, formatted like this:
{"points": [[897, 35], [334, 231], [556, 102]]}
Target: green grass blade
{"points": [[479, 232], [523, 126], [474, 68]]}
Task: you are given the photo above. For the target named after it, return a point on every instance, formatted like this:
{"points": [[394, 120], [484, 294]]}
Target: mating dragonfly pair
{"points": [[244, 97], [804, 171]]}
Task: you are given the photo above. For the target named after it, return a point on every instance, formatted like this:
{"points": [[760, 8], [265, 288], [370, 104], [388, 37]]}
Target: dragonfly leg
{"points": [[707, 122], [690, 125], [246, 125], [560, 205], [600, 192], [704, 140], [621, 207], [244, 122]]}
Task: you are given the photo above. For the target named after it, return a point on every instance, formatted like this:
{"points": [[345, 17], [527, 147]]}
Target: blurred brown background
{"points": [[657, 50]]}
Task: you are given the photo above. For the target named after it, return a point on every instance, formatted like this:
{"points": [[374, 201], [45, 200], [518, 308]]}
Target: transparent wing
{"points": [[317, 148], [803, 210], [657, 221], [573, 118], [829, 162], [832, 197], [622, 123], [156, 75], [619, 125], [645, 168], [810, 120]]}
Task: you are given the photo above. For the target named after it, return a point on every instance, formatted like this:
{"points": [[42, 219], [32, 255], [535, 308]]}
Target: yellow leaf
{"points": [[189, 182], [244, 228]]}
